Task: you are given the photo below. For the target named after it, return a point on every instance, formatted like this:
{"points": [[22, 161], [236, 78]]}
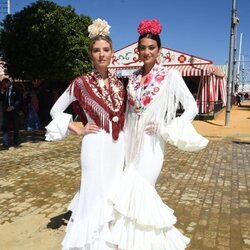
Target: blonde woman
{"points": [[102, 97]]}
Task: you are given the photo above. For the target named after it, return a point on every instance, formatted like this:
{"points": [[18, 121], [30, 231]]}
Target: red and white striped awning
{"points": [[193, 70], [185, 70], [197, 70]]}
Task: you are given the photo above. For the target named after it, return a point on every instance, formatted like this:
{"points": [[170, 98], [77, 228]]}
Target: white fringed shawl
{"points": [[162, 112]]}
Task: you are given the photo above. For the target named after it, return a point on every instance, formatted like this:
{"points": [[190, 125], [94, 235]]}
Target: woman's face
{"points": [[101, 54], [148, 51]]}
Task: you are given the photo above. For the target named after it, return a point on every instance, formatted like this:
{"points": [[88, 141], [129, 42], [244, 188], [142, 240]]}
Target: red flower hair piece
{"points": [[149, 26]]}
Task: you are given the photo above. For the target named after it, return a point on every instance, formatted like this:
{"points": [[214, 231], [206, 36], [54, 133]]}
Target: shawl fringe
{"points": [[97, 110]]}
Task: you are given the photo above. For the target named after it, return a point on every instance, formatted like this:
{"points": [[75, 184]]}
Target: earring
{"points": [[158, 59]]}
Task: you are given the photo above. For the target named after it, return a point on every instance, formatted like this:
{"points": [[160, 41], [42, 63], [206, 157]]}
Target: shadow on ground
{"points": [[241, 142], [26, 136], [219, 125], [59, 220], [244, 107]]}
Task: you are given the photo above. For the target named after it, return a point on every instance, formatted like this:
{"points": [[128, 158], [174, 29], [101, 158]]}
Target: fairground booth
{"points": [[206, 82]]}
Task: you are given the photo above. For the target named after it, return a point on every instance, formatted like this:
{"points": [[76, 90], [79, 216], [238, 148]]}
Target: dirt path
{"points": [[239, 124]]}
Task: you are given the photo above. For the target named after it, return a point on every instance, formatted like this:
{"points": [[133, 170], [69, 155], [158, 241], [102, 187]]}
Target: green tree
{"points": [[45, 41]]}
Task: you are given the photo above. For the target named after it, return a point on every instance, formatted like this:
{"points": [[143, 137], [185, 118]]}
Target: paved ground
{"points": [[208, 190]]}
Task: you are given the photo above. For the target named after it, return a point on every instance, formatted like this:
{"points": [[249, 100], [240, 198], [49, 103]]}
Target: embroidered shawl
{"points": [[142, 96], [156, 102], [102, 104]]}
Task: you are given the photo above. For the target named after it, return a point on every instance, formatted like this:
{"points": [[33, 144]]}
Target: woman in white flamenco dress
{"points": [[142, 221], [102, 96]]}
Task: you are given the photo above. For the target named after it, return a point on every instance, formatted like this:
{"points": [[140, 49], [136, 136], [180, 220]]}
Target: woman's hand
{"points": [[151, 128], [89, 128]]}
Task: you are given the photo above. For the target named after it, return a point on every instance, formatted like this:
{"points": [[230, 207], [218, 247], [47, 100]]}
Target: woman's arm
{"points": [[58, 110], [58, 128], [185, 97], [62, 103]]}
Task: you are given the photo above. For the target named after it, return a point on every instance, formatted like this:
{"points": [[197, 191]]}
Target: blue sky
{"points": [[197, 27]]}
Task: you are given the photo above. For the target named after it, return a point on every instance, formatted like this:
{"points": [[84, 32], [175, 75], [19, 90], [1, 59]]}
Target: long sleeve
{"points": [[185, 98], [180, 131], [57, 129]]}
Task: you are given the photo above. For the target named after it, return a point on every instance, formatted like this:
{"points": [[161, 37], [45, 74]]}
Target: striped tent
{"points": [[212, 83]]}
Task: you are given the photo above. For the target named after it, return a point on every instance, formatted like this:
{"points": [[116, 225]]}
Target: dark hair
{"points": [[151, 36], [99, 38], [6, 80]]}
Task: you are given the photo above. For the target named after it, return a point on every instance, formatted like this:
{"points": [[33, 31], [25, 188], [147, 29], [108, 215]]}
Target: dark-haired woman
{"points": [[143, 221]]}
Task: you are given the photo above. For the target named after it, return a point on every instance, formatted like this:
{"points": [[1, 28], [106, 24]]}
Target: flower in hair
{"points": [[149, 26], [99, 27]]}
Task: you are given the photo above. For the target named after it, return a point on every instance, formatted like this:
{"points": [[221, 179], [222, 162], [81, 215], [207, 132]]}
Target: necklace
{"points": [[138, 108]]}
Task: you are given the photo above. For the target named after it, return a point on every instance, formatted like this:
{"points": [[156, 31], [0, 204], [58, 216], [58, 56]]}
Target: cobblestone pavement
{"points": [[209, 191]]}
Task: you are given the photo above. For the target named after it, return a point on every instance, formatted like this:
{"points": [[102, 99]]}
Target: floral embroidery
{"points": [[146, 100], [141, 96], [130, 100], [112, 99], [148, 79], [156, 89], [159, 78], [101, 83], [115, 89], [102, 104]]}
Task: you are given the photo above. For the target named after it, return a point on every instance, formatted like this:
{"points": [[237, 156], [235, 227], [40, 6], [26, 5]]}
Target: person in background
{"points": [[46, 100], [32, 106], [238, 99], [142, 220], [101, 96], [11, 100]]}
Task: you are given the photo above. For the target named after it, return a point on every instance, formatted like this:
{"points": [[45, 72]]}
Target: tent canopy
{"points": [[126, 60]]}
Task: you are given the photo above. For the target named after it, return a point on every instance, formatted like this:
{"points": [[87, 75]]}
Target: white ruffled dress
{"points": [[142, 221], [102, 161]]}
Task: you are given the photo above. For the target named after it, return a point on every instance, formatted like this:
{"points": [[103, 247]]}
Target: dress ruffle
{"points": [[57, 129], [91, 228], [142, 221], [181, 133], [74, 202]]}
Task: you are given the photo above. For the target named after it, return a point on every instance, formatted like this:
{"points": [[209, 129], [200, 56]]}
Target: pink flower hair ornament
{"points": [[149, 26]]}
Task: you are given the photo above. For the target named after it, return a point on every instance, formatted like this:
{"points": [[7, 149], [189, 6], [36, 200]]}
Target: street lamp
{"points": [[232, 61]]}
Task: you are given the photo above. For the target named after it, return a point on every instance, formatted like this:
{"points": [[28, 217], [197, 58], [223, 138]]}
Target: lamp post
{"points": [[231, 62], [234, 70]]}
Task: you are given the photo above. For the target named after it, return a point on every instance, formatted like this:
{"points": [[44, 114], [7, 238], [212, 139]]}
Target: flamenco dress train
{"points": [[142, 221]]}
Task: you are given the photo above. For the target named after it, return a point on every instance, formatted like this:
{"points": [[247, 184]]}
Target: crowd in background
{"points": [[240, 97], [36, 100], [26, 106]]}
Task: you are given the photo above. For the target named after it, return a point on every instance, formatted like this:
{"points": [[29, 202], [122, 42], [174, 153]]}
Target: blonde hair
{"points": [[99, 38]]}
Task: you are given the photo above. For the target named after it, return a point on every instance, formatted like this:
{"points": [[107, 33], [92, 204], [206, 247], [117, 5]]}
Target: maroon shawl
{"points": [[102, 104]]}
